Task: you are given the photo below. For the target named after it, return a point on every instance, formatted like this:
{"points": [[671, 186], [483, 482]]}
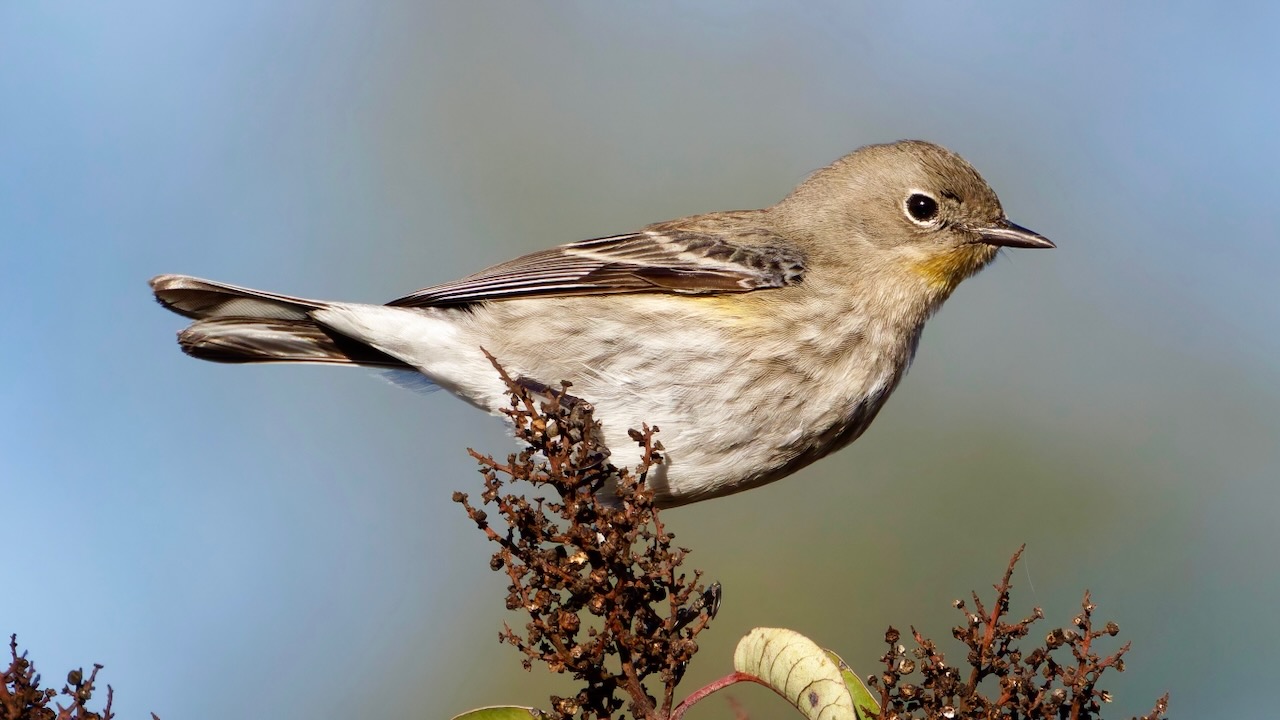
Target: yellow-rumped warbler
{"points": [[758, 341]]}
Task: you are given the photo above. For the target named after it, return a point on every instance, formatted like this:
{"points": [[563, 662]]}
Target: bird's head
{"points": [[907, 208]]}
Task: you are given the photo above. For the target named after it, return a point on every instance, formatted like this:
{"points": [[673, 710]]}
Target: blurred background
{"points": [[279, 542]]}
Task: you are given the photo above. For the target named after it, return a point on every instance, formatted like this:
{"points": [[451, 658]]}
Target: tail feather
{"points": [[250, 340], [202, 299], [239, 325]]}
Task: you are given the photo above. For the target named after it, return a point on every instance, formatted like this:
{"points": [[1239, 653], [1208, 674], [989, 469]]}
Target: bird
{"points": [[758, 341]]}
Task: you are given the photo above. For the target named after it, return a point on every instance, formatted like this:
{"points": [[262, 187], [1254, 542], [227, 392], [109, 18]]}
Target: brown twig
{"points": [[592, 566], [1032, 684], [22, 698]]}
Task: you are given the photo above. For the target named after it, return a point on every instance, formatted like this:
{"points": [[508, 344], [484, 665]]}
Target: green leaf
{"points": [[503, 712], [798, 670], [862, 698]]}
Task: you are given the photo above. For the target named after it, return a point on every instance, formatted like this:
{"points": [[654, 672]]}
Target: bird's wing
{"points": [[655, 260]]}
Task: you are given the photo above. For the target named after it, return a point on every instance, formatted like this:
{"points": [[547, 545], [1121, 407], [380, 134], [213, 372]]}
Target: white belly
{"points": [[737, 401]]}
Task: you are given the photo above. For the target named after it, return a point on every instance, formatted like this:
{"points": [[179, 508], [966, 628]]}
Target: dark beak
{"points": [[1007, 234]]}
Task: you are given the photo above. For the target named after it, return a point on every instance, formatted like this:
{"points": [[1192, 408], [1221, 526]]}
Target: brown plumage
{"points": [[759, 340]]}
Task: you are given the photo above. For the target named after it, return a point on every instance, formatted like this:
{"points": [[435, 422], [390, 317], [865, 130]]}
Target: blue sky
{"points": [[1112, 403]]}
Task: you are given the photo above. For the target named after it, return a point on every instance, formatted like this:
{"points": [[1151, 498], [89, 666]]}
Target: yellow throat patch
{"points": [[945, 271]]}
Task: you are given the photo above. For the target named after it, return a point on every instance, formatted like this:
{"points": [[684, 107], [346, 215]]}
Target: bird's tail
{"points": [[239, 325]]}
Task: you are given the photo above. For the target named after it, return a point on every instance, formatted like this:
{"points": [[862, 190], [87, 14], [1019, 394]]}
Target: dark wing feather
{"points": [[655, 260]]}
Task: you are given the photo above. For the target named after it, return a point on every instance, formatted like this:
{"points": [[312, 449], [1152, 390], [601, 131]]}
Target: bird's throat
{"points": [[944, 271]]}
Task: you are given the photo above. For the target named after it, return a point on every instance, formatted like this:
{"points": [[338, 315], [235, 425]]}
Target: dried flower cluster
{"points": [[591, 564], [22, 698], [1034, 685]]}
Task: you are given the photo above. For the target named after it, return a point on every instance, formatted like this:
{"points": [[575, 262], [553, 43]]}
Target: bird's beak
{"points": [[1007, 234]]}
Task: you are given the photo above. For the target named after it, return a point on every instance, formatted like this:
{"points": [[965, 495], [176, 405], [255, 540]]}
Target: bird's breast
{"points": [[743, 393]]}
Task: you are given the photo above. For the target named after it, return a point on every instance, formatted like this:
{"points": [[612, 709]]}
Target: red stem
{"points": [[702, 692]]}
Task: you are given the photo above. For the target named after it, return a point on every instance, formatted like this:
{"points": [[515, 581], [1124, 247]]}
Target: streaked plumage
{"points": [[759, 341]]}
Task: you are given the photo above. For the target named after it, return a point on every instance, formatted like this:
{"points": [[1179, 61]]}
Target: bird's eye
{"points": [[922, 208]]}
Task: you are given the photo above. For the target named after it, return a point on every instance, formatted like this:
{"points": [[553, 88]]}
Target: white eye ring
{"points": [[921, 208]]}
